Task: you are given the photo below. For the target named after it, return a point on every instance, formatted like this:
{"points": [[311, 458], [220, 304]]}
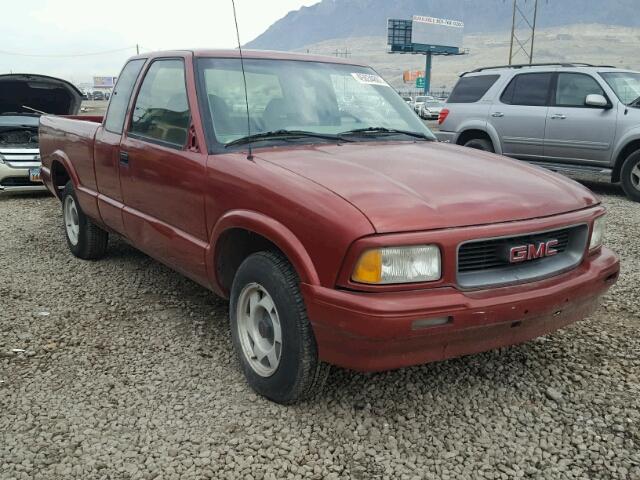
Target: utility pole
{"points": [[525, 15], [137, 49]]}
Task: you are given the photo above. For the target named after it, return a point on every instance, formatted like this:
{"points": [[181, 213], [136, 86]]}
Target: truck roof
{"points": [[265, 54]]}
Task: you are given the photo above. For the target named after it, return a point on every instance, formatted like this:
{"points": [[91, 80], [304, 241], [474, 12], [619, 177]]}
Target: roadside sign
{"points": [[420, 82]]}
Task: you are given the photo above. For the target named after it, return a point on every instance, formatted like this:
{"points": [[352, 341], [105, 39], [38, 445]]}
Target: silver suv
{"points": [[577, 119]]}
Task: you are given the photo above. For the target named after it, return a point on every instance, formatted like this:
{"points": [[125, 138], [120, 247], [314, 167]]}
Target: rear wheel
{"points": [[85, 239], [480, 144], [271, 333], [630, 176]]}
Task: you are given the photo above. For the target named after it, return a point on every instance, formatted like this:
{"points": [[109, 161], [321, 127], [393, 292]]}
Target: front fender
{"points": [[631, 135], [269, 228]]}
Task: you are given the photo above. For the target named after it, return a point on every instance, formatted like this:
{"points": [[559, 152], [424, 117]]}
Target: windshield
{"points": [[422, 99], [435, 103], [626, 85], [322, 98], [19, 120]]}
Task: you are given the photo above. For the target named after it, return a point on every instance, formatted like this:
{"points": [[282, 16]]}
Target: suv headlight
{"points": [[597, 234], [420, 263]]}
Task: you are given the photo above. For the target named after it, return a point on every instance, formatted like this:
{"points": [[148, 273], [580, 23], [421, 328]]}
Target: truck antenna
{"points": [[244, 79]]}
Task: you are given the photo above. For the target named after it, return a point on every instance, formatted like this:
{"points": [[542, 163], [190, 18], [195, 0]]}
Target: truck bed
{"points": [[69, 139]]}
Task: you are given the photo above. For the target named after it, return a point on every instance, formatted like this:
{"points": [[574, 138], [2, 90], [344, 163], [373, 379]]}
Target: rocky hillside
{"points": [[337, 19]]}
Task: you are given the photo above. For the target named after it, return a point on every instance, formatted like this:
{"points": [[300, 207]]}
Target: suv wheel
{"points": [[630, 176], [271, 333], [480, 144], [85, 239]]}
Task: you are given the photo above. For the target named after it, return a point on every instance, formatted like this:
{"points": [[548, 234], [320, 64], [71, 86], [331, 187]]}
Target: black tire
{"points": [[480, 144], [630, 176], [299, 375], [91, 242]]}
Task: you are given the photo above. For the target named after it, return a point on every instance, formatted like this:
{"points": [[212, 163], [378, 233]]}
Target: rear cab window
{"points": [[117, 112], [531, 89], [472, 89]]}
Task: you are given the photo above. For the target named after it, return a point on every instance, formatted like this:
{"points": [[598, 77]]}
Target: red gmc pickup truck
{"points": [[322, 207]]}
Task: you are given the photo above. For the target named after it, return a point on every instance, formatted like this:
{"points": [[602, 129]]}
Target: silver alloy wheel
{"points": [[71, 220], [259, 329], [635, 176]]}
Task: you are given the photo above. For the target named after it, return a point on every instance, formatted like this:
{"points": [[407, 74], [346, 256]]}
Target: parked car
{"points": [[349, 238], [98, 95], [431, 109], [22, 98], [419, 101], [577, 119], [408, 100]]}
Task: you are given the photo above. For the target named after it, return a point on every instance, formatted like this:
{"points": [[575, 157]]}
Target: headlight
{"points": [[381, 266], [597, 234]]}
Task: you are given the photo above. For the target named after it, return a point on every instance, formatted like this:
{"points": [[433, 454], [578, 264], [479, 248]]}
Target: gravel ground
{"points": [[128, 372]]}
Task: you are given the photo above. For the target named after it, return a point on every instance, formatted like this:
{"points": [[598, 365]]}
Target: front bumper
{"points": [[14, 176], [376, 331]]}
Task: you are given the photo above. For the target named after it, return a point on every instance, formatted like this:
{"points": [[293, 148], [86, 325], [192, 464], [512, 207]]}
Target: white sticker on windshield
{"points": [[369, 79]]}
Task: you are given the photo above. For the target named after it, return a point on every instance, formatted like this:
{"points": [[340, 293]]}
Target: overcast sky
{"points": [[73, 27]]}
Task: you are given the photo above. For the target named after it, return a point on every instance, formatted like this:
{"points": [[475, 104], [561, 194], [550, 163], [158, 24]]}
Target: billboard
{"points": [[410, 76], [437, 31], [104, 82]]}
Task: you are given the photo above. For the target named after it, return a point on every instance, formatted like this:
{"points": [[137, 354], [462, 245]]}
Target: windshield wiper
{"points": [[386, 131], [277, 134], [634, 103]]}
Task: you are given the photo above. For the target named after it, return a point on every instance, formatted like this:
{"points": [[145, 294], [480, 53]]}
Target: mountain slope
{"points": [[333, 19]]}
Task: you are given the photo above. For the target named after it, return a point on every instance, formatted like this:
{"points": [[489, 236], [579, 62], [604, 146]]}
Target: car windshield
{"points": [[433, 103], [422, 99], [19, 120], [301, 96], [626, 85]]}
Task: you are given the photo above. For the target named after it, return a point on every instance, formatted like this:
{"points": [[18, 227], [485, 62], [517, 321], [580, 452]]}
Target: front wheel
{"points": [[85, 239], [480, 144], [271, 333], [630, 176]]}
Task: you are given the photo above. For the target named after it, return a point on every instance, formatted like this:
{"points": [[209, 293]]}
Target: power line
{"points": [[104, 52]]}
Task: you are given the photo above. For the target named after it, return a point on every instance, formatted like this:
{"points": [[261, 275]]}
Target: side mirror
{"points": [[595, 100]]}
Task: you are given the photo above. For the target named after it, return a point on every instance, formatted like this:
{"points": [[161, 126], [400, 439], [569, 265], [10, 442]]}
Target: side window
{"points": [[117, 112], [573, 88], [161, 111], [471, 89], [528, 89]]}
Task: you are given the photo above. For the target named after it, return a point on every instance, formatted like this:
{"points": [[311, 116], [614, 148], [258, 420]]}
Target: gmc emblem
{"points": [[523, 253]]}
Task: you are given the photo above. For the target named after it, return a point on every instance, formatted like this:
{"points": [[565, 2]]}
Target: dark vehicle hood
{"points": [[40, 92], [402, 186]]}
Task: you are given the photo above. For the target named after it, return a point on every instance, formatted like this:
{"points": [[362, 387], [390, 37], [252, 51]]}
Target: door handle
{"points": [[558, 116], [124, 158], [497, 114]]}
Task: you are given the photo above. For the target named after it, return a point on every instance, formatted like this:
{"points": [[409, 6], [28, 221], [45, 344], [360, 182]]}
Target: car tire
{"points": [[630, 176], [266, 305], [480, 144], [85, 239]]}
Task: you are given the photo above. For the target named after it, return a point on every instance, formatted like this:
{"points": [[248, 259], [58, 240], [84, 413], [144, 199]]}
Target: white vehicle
{"points": [[419, 101], [23, 97], [431, 109]]}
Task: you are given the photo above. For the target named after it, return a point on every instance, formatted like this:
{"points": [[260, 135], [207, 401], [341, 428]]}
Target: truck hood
{"points": [[39, 92], [404, 186]]}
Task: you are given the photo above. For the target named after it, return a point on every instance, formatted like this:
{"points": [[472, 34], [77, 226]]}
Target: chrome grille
{"points": [[486, 262]]}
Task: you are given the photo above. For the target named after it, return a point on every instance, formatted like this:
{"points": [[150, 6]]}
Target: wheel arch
{"points": [[630, 147], [480, 131], [240, 233], [61, 171]]}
